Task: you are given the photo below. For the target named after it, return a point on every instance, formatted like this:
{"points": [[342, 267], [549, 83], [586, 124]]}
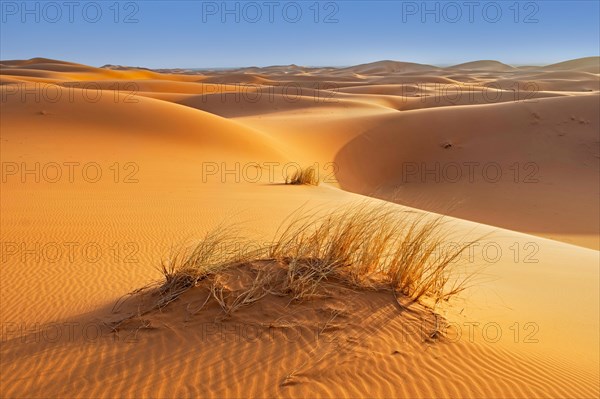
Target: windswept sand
{"points": [[104, 170]]}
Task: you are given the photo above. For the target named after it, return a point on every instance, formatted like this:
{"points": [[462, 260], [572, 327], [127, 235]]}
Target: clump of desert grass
{"points": [[185, 268], [304, 176], [361, 247], [370, 247]]}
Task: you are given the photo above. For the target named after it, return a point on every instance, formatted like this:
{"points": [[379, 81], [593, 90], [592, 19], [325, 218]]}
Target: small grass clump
{"points": [[362, 246], [305, 176], [185, 268], [370, 247]]}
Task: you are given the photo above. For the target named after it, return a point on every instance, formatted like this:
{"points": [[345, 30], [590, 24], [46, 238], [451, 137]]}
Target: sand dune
{"points": [[487, 65], [38, 60], [238, 78], [386, 67], [105, 170], [419, 159], [588, 64], [275, 350]]}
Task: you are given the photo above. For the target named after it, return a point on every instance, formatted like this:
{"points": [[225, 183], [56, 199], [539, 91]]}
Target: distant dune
{"points": [[588, 64], [487, 65], [385, 67], [34, 61]]}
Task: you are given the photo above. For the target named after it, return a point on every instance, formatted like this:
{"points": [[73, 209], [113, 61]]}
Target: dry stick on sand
{"points": [[254, 293]]}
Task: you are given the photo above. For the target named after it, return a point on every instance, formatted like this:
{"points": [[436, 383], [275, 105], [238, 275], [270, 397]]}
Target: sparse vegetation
{"points": [[305, 176], [362, 247], [369, 247]]}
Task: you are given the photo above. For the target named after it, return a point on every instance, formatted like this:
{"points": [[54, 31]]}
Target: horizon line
{"points": [[443, 65]]}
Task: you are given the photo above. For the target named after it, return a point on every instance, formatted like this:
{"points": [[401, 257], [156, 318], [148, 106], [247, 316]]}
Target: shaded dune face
{"points": [[473, 162], [507, 153]]}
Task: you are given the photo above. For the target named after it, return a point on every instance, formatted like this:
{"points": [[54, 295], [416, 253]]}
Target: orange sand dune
{"points": [[487, 65], [549, 160], [277, 349], [134, 119], [38, 60], [238, 78], [386, 67], [101, 183]]}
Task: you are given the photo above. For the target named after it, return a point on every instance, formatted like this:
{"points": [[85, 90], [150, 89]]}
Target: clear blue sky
{"points": [[202, 34]]}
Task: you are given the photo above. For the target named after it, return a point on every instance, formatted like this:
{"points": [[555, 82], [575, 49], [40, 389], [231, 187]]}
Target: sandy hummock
{"points": [[106, 170]]}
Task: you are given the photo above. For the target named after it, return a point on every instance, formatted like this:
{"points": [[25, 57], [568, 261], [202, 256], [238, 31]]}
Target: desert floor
{"points": [[105, 170]]}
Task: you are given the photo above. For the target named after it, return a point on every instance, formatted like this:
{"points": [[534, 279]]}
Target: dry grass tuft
{"points": [[308, 176], [185, 268], [362, 247], [366, 247], [230, 303]]}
